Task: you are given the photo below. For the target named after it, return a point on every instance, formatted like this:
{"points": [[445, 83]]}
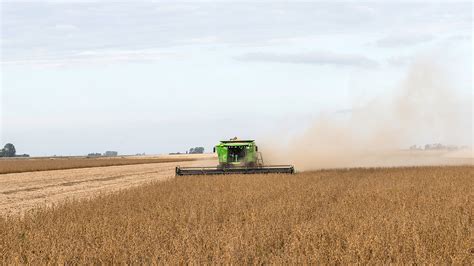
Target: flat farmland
{"points": [[20, 165], [405, 215], [20, 192]]}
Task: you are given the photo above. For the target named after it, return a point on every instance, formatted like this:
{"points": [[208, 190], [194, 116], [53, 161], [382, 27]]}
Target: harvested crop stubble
{"points": [[46, 164], [390, 215]]}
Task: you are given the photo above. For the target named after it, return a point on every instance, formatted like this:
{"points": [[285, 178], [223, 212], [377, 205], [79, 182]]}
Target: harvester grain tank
{"points": [[237, 157]]}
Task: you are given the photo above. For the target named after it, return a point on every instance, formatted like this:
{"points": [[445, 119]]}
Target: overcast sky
{"points": [[162, 77]]}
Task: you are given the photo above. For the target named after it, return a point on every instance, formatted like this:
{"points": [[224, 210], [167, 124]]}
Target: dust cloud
{"points": [[423, 109]]}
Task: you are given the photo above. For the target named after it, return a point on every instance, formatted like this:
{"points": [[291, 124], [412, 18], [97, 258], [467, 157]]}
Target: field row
{"points": [[51, 163]]}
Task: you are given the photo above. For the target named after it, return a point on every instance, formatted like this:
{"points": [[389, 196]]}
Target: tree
{"points": [[196, 150], [9, 150]]}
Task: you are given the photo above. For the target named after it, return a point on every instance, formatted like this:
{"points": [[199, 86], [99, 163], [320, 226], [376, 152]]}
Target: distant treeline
{"points": [[106, 154], [195, 150], [437, 146], [9, 150]]}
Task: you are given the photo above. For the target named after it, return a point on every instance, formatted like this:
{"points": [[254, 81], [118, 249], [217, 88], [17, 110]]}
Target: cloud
{"points": [[406, 39], [202, 40], [56, 29], [314, 58], [400, 60], [65, 27], [93, 57], [344, 111], [460, 37]]}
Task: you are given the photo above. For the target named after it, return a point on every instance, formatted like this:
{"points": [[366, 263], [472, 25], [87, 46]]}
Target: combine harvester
{"points": [[237, 157]]}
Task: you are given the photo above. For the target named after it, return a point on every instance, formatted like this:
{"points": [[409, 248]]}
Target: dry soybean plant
{"points": [[385, 215]]}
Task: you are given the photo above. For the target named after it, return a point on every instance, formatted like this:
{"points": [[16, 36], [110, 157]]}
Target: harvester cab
{"points": [[237, 153], [237, 157]]}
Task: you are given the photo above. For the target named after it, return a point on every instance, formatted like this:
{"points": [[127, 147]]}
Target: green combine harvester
{"points": [[237, 157]]}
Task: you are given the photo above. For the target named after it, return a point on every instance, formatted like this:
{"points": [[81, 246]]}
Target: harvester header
{"points": [[237, 157]]}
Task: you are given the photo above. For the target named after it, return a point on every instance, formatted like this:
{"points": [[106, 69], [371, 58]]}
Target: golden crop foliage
{"points": [[385, 215], [45, 164]]}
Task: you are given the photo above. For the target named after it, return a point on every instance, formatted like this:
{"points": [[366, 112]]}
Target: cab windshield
{"points": [[236, 153]]}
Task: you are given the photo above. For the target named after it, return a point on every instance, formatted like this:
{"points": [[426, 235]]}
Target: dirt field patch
{"points": [[20, 192]]}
